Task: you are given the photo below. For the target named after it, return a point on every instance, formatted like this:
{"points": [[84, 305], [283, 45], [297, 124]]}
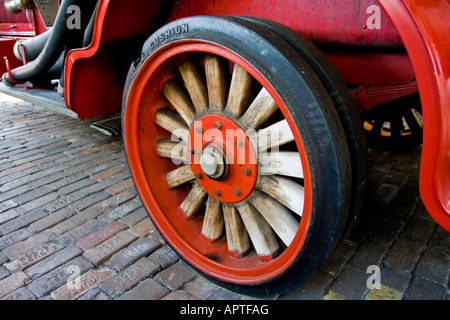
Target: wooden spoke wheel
{"points": [[238, 153], [397, 124]]}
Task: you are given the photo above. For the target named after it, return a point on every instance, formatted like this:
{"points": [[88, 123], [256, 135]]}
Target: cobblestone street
{"points": [[73, 227]]}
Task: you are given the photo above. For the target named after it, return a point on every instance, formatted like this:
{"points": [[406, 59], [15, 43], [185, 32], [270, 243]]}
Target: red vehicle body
{"points": [[383, 50]]}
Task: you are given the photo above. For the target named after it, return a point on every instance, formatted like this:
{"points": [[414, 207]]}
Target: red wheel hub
{"points": [[222, 158]]}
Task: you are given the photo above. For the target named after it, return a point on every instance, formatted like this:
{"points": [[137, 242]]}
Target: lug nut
{"points": [[218, 125], [247, 172], [217, 193], [237, 192], [199, 175]]}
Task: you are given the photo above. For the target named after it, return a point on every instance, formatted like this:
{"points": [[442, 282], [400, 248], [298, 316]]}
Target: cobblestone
{"points": [[165, 257], [29, 258], [139, 248], [53, 262], [129, 277], [58, 277], [20, 294], [22, 221], [73, 227], [15, 281], [421, 289], [75, 221], [51, 220], [28, 244], [79, 286], [101, 235], [106, 249], [349, 285], [12, 238], [175, 276], [403, 255]]}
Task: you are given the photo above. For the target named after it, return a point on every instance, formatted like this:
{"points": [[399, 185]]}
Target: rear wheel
{"points": [[237, 152]]}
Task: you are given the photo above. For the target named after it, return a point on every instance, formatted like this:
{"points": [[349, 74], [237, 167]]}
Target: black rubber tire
{"points": [[344, 103], [315, 118]]}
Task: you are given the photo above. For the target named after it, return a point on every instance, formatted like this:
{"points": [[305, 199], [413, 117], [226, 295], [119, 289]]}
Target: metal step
{"points": [[42, 97], [111, 127]]}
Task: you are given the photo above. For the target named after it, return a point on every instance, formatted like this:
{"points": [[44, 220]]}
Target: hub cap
{"points": [[212, 162]]}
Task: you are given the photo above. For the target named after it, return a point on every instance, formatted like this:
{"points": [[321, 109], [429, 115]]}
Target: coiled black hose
{"points": [[59, 38], [33, 46]]}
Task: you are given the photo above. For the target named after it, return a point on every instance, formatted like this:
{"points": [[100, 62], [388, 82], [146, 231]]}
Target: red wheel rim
{"points": [[150, 171]]}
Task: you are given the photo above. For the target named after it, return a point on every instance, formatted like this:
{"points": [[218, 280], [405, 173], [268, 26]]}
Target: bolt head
{"points": [[212, 163]]}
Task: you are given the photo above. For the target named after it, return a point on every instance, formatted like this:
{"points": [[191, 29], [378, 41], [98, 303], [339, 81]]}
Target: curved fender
{"points": [[424, 26]]}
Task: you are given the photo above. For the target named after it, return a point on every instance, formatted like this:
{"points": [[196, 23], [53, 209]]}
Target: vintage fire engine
{"points": [[246, 123]]}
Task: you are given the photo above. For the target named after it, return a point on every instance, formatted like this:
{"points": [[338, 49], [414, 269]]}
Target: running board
{"points": [[50, 99], [42, 97]]}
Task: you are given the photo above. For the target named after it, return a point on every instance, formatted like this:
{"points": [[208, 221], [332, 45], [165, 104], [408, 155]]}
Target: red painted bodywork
{"points": [[343, 25], [422, 25], [410, 45], [342, 22], [28, 23], [6, 50], [95, 75]]}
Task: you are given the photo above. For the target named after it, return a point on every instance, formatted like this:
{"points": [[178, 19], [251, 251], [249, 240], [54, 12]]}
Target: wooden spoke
{"points": [[237, 236], [179, 176], [260, 232], [285, 191], [172, 150], [240, 92], [172, 122], [260, 110], [213, 222], [281, 163], [193, 79], [194, 201], [217, 79], [274, 136], [176, 94], [279, 218]]}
